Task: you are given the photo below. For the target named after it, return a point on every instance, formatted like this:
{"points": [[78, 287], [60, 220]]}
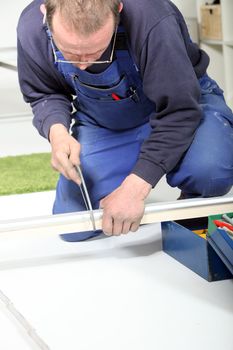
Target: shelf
{"points": [[216, 42], [212, 42]]}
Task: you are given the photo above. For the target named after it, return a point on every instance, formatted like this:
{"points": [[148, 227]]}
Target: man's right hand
{"points": [[65, 152]]}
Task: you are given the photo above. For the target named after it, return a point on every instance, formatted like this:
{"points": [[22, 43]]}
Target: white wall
{"points": [[17, 135], [187, 7], [11, 9], [9, 14], [189, 10]]}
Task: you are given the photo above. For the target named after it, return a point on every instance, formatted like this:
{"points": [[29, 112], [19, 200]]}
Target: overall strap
{"points": [[124, 57]]}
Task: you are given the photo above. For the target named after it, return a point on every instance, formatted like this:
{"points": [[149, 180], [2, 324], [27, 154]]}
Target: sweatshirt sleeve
{"points": [[42, 88], [169, 81]]}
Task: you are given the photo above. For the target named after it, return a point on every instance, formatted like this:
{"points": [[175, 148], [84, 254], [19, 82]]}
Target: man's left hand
{"points": [[123, 209]]}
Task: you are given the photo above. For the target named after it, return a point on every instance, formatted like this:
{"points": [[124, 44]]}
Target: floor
{"points": [[114, 293]]}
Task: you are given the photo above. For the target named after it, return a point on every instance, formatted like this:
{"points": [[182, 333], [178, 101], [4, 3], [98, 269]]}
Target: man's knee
{"points": [[208, 179]]}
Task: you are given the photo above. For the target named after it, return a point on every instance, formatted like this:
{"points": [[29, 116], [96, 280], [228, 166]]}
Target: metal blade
{"points": [[86, 197]]}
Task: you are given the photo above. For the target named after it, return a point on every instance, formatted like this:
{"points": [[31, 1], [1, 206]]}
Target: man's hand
{"points": [[123, 209], [65, 152]]}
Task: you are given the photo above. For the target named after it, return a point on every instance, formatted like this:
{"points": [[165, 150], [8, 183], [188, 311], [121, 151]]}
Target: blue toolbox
{"points": [[207, 250]]}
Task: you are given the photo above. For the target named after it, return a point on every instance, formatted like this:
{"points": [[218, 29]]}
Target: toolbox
{"points": [[209, 255]]}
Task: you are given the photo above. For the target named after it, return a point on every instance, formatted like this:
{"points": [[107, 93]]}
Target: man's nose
{"points": [[82, 66]]}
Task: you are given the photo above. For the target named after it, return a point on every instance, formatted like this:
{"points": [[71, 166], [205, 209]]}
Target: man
{"points": [[143, 106]]}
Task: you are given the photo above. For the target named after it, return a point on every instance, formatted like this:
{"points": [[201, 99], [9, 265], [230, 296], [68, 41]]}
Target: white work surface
{"points": [[117, 293]]}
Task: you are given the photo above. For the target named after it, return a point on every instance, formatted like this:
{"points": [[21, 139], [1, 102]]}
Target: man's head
{"points": [[83, 16], [82, 29]]}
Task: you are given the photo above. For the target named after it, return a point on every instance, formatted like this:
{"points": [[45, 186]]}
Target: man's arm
{"points": [[42, 87], [170, 82], [50, 100]]}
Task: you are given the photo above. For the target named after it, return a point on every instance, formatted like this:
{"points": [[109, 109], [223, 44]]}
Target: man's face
{"points": [[77, 47]]}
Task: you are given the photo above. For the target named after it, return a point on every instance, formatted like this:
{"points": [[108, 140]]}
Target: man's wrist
{"points": [[137, 185], [57, 130]]}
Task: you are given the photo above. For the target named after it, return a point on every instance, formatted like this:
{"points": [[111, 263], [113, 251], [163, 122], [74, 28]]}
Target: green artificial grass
{"points": [[27, 173]]}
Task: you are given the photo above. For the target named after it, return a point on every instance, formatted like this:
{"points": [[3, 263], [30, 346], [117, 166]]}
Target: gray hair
{"points": [[83, 16]]}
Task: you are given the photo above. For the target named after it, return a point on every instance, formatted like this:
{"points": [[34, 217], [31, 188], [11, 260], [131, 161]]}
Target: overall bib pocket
{"points": [[122, 114], [121, 88]]}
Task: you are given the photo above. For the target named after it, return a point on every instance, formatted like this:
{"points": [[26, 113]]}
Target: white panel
{"points": [[192, 26], [227, 20], [216, 68], [17, 134], [187, 7], [228, 60], [9, 14], [123, 293]]}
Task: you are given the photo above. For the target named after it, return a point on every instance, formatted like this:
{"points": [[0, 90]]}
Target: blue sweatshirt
{"points": [[170, 65]]}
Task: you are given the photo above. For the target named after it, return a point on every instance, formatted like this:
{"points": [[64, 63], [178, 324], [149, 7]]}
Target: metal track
{"points": [[78, 222], [25, 325]]}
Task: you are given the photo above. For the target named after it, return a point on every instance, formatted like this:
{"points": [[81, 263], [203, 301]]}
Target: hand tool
{"points": [[86, 197], [94, 233]]}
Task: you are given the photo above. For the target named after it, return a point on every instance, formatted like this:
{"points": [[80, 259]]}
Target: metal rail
{"points": [[22, 321], [54, 225]]}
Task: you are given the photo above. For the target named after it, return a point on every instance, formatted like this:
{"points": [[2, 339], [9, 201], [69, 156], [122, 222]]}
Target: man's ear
{"points": [[121, 7], [43, 9]]}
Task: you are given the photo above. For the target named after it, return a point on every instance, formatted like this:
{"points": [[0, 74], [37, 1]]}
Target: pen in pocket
{"points": [[115, 97]]}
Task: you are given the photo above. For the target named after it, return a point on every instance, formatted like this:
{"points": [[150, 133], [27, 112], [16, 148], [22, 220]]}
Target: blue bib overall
{"points": [[109, 130], [112, 130]]}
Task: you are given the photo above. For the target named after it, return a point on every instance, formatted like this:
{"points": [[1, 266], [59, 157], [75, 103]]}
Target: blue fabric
{"points": [[95, 104], [206, 169], [107, 157], [110, 132], [80, 236], [169, 65], [110, 145]]}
